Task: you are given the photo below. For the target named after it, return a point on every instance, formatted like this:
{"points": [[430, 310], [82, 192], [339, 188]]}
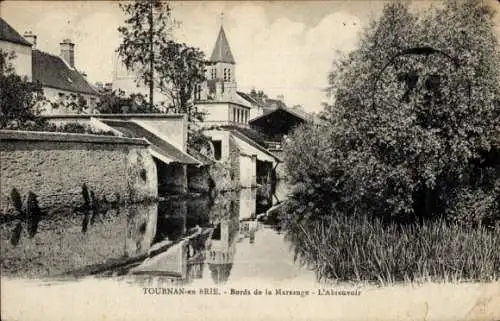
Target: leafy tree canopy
{"points": [[408, 129]]}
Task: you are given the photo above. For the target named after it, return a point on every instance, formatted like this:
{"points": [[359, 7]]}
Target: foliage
{"points": [[361, 249], [197, 140], [179, 76], [117, 102], [402, 137], [175, 69], [258, 94], [19, 98], [73, 102], [145, 34]]}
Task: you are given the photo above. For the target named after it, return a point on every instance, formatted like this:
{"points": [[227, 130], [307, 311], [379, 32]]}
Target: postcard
{"points": [[250, 160]]}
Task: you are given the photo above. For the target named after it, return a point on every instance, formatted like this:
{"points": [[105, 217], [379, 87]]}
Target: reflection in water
{"points": [[59, 245], [193, 234]]}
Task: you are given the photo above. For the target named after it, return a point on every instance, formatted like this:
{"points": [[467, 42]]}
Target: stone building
{"points": [[62, 83], [218, 95]]}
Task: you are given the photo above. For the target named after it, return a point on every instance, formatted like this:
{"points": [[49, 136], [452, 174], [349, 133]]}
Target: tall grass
{"points": [[362, 249]]}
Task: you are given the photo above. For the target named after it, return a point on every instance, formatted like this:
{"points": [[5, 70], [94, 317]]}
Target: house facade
{"points": [[63, 85]]}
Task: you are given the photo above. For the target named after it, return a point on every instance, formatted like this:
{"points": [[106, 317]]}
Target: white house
{"points": [[61, 81]]}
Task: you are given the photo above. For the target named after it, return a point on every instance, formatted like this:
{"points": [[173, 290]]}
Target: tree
{"points": [[175, 69], [180, 75], [145, 34], [19, 98], [405, 136], [117, 102]]}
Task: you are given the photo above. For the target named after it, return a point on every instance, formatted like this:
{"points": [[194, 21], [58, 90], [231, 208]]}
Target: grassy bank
{"points": [[360, 249]]}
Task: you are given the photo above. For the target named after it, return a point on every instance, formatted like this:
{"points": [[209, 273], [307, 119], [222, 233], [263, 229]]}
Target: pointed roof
{"points": [[222, 52], [7, 33]]}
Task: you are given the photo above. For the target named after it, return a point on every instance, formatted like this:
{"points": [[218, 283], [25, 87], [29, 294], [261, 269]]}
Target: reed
{"points": [[361, 249]]}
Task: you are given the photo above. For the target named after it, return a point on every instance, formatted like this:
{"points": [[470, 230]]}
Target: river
{"points": [[182, 240]]}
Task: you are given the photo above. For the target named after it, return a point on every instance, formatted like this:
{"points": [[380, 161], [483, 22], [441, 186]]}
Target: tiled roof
{"points": [[248, 98], [248, 140], [7, 33], [160, 146], [267, 112], [53, 72], [222, 52]]}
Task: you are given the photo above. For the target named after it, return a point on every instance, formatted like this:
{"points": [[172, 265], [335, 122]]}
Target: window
{"points": [[229, 74], [217, 149], [225, 74], [234, 114], [214, 73]]}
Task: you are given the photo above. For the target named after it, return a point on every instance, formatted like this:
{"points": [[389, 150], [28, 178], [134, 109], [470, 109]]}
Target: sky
{"points": [[282, 47]]}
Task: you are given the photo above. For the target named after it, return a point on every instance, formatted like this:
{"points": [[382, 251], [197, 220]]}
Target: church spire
{"points": [[222, 51]]}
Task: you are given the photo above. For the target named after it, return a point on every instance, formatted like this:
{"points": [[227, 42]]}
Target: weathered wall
{"points": [[221, 174], [234, 160], [171, 127], [54, 95], [281, 173], [216, 113], [23, 61], [199, 180], [172, 178], [54, 166], [248, 170]]}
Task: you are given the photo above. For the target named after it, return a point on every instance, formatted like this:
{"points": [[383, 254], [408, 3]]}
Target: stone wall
{"points": [[281, 172], [54, 166], [199, 180], [234, 160], [221, 174], [172, 178]]}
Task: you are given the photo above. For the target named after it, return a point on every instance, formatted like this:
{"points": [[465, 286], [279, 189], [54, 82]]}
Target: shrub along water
{"points": [[402, 180]]}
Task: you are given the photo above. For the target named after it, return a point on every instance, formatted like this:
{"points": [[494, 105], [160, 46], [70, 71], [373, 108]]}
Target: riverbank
{"points": [[117, 300]]}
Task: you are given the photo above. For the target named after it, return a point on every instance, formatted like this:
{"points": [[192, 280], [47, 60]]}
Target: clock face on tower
{"points": [[421, 80]]}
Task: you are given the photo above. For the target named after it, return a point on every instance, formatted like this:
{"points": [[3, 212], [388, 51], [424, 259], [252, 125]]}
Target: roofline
{"points": [[142, 115], [196, 161], [211, 102], [242, 95], [254, 144], [279, 107], [95, 93], [22, 41], [25, 44]]}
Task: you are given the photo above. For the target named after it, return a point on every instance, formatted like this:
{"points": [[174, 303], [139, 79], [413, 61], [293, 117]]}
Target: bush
{"points": [[397, 153], [44, 126]]}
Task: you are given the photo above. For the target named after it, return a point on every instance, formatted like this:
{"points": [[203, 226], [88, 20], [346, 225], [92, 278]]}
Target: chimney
{"points": [[31, 38], [68, 52]]}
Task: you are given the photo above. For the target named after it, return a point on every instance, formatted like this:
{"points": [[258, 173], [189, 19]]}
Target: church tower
{"points": [[221, 77]]}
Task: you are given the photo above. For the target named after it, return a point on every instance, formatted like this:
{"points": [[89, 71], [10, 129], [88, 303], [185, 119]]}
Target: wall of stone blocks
{"points": [[172, 178], [54, 166], [199, 179]]}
